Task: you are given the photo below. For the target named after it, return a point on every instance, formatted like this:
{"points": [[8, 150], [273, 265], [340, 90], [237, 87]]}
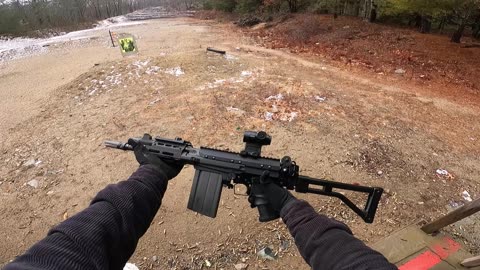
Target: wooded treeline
{"points": [[439, 15], [22, 16], [18, 17]]}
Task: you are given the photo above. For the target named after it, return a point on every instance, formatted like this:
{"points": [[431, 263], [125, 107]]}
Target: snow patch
{"points": [[152, 69], [246, 73], [275, 97], [140, 64], [230, 57], [176, 71], [14, 48]]}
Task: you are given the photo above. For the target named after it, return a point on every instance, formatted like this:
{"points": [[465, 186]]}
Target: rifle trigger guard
{"points": [[247, 193], [264, 177]]}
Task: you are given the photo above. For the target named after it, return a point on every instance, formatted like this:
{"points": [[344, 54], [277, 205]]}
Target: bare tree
{"points": [[464, 11]]}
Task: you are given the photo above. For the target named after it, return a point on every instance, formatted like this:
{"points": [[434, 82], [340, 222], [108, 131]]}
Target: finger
{"points": [[132, 142], [147, 137], [176, 164], [257, 189], [251, 200]]}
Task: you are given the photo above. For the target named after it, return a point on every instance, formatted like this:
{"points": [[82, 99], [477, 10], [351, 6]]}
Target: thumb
{"points": [[132, 142]]}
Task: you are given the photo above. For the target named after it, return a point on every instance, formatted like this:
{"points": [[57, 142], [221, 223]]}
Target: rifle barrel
{"points": [[118, 145]]}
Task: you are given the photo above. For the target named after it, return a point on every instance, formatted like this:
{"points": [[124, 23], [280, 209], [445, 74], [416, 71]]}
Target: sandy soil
{"points": [[58, 108]]}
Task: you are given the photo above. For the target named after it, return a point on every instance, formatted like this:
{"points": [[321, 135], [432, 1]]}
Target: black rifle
{"points": [[218, 168]]}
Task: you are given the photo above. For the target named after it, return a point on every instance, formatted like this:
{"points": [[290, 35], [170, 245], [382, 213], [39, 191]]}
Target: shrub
{"points": [[207, 5], [224, 5], [248, 6]]}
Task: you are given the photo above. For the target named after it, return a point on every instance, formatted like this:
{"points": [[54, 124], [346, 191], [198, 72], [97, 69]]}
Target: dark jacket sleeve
{"points": [[325, 243], [104, 235]]}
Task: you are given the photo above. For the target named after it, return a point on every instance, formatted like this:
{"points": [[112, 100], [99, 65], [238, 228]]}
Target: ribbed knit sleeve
{"points": [[104, 235], [325, 243]]}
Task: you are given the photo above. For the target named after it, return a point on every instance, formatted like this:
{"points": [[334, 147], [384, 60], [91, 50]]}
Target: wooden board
{"points": [[471, 262], [452, 217]]}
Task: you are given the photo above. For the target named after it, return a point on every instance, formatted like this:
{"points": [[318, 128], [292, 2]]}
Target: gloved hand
{"points": [[270, 199], [278, 197], [168, 168]]}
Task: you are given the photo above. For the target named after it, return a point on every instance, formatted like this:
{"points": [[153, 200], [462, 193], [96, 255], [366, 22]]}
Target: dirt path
{"points": [[334, 123]]}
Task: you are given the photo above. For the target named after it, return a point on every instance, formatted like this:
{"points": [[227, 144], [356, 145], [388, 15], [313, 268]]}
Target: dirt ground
{"points": [[337, 123], [425, 59]]}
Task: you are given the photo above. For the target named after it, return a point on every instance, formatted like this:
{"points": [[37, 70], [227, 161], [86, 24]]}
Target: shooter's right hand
{"points": [[278, 197], [270, 199]]}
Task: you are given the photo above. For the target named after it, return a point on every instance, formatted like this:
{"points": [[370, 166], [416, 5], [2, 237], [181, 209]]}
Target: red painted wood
{"points": [[430, 258], [423, 261]]}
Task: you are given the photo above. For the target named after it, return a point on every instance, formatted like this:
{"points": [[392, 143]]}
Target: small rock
{"points": [[400, 71], [276, 97], [130, 266], [320, 99], [246, 73], [441, 172], [455, 205], [30, 163], [236, 111], [154, 258], [33, 183], [285, 244], [259, 26], [466, 196], [268, 116], [240, 266], [267, 253], [379, 172], [208, 263], [420, 203], [153, 102]]}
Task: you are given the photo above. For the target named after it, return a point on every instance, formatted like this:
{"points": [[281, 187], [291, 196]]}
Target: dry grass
{"points": [[427, 59]]}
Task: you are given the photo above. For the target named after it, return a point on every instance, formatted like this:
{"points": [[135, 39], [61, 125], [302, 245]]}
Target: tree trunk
{"points": [[457, 36], [292, 6], [98, 9], [108, 10], [357, 8], [476, 32], [373, 15], [426, 25], [476, 28], [441, 25], [366, 9], [417, 20]]}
